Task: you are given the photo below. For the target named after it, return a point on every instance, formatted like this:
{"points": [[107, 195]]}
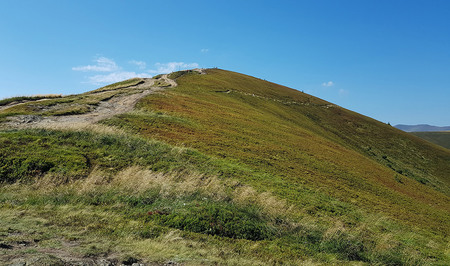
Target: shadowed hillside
{"points": [[221, 167], [439, 138]]}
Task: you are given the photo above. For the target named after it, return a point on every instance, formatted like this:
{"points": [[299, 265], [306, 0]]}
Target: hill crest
{"points": [[311, 179]]}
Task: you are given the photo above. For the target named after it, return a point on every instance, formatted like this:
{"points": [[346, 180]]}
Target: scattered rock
{"points": [[25, 119], [5, 246], [104, 262], [130, 261], [23, 243], [171, 263], [19, 263]]}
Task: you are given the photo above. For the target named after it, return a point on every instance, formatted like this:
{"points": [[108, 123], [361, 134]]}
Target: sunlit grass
{"points": [[7, 101], [354, 158], [192, 199], [224, 169]]}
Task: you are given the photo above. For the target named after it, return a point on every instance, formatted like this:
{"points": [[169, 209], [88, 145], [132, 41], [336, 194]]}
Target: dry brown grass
{"points": [[136, 179]]}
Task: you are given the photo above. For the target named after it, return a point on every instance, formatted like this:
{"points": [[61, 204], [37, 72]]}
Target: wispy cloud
{"points": [[140, 64], [328, 84], [343, 92], [115, 73], [204, 50], [164, 68], [103, 65], [116, 77]]}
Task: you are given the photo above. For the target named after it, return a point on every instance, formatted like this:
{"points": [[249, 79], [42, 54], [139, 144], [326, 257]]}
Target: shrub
{"points": [[13, 169], [221, 219]]}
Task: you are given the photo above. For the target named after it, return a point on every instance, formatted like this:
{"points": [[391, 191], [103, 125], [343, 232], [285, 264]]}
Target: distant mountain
{"points": [[421, 128]]}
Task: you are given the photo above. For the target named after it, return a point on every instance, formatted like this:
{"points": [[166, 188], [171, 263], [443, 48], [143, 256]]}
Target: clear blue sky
{"points": [[389, 60]]}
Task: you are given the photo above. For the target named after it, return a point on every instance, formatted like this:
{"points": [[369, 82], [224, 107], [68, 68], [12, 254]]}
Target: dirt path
{"points": [[166, 78], [118, 104]]}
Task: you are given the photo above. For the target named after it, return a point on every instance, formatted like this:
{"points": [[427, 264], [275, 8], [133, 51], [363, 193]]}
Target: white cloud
{"points": [[163, 68], [116, 77], [343, 92], [204, 50], [117, 74], [103, 65], [328, 84], [140, 64]]}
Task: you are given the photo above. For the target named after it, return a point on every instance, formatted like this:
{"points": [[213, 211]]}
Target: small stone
{"points": [[5, 246], [20, 263], [103, 262]]}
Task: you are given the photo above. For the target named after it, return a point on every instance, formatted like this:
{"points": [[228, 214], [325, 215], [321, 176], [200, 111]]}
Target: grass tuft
{"points": [[7, 101]]}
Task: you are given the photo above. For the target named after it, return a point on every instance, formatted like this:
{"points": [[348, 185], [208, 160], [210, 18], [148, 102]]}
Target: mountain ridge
{"points": [[421, 128], [313, 180]]}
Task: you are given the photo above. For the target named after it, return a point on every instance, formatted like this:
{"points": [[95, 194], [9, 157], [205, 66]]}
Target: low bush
{"points": [[217, 218]]}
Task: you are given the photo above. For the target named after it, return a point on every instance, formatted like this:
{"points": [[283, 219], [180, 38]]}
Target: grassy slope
{"points": [[439, 138], [305, 142], [93, 191], [80, 186], [277, 176], [295, 136]]}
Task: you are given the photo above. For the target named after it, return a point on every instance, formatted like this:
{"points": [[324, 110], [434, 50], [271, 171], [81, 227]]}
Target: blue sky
{"points": [[389, 60]]}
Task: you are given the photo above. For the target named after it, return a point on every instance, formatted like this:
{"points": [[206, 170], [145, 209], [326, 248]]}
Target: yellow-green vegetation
{"points": [[439, 138], [99, 190], [120, 85], [177, 74], [67, 105], [27, 98], [70, 104], [227, 169]]}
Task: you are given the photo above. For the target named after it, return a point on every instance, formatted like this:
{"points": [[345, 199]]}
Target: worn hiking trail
{"points": [[119, 103]]}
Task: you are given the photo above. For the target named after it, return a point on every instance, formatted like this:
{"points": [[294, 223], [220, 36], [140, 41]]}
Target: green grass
{"points": [[26, 98], [438, 138], [66, 175], [115, 217], [302, 140], [226, 169], [177, 74], [71, 155]]}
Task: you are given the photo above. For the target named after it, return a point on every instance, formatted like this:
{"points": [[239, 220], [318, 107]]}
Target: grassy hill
{"points": [[222, 168], [439, 138]]}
